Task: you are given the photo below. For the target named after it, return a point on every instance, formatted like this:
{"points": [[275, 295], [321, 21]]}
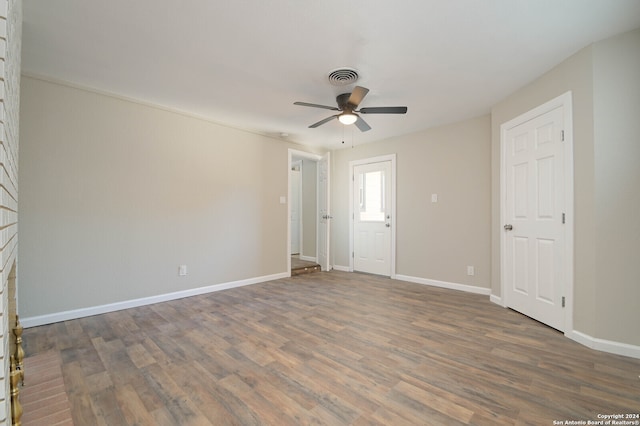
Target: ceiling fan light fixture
{"points": [[347, 118], [347, 107]]}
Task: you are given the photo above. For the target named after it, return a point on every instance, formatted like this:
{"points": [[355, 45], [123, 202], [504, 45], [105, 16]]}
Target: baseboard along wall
{"points": [[118, 306], [595, 343]]}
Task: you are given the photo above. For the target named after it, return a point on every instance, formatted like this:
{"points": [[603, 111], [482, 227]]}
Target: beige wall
{"points": [[574, 74], [118, 194], [435, 241], [604, 82], [616, 95]]}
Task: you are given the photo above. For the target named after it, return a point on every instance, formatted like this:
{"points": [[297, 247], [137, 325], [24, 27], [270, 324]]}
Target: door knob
{"points": [[508, 227]]}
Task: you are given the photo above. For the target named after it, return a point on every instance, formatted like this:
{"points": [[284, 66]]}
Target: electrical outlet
{"points": [[434, 198], [470, 270], [182, 270]]}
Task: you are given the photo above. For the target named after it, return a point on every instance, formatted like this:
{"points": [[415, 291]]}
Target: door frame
{"points": [[300, 216], [352, 165], [565, 102], [309, 156]]}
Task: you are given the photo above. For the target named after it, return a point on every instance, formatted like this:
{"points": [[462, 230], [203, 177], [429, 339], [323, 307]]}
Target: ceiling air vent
{"points": [[343, 76]]}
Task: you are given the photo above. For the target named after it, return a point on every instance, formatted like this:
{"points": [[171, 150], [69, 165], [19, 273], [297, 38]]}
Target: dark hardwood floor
{"points": [[331, 348], [299, 267]]}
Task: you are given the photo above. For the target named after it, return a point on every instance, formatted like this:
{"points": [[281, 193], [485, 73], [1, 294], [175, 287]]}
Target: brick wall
{"points": [[10, 49]]}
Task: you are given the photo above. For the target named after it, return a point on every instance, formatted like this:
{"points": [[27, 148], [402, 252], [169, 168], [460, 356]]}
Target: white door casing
{"points": [[372, 236], [324, 212], [322, 202], [537, 243], [296, 208]]}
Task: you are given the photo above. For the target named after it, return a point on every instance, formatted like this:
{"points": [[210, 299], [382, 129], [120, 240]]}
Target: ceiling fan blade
{"points": [[321, 122], [358, 95], [316, 106], [384, 110], [362, 125]]}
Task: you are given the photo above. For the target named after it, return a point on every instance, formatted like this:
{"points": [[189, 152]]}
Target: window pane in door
{"points": [[372, 208]]}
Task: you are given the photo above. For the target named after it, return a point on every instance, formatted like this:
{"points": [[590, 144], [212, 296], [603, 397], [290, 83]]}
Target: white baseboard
{"points": [[444, 284], [592, 342], [341, 268], [604, 345], [496, 299], [309, 258], [112, 307]]}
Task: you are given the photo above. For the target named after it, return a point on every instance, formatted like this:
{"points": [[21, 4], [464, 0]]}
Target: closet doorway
{"points": [[308, 215]]}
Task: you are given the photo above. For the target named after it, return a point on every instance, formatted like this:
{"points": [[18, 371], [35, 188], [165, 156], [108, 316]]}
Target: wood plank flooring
{"points": [[331, 348]]}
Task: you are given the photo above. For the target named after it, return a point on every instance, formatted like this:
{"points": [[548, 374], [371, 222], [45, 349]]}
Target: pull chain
{"points": [[351, 137]]}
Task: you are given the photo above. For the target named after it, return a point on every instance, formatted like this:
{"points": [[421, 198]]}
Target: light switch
{"points": [[283, 199], [434, 198]]}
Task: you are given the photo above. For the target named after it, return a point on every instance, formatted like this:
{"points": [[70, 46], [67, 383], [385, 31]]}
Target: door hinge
{"points": [[563, 301], [353, 254], [563, 218], [562, 135]]}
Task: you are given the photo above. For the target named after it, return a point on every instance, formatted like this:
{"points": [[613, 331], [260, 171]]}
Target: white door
{"points": [[324, 212], [372, 218], [534, 218], [296, 208]]}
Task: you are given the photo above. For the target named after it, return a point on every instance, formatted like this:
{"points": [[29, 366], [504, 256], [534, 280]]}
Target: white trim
{"points": [[300, 215], [290, 154], [444, 284], [595, 343], [352, 165], [609, 346], [341, 268], [603, 345], [112, 307], [497, 300], [308, 258], [564, 101], [327, 265]]}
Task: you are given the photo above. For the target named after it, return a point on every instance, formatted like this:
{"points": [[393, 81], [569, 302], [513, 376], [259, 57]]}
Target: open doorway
{"points": [[308, 231]]}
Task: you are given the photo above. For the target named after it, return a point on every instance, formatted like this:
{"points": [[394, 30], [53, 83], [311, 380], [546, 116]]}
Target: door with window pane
{"points": [[372, 218]]}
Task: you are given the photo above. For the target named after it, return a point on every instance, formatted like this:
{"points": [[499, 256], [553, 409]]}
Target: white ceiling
{"points": [[244, 62]]}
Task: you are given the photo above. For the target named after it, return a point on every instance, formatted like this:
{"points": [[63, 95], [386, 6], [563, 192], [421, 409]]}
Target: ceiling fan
{"points": [[347, 104]]}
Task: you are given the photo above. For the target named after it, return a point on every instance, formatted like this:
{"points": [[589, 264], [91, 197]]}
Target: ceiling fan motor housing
{"points": [[343, 102]]}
